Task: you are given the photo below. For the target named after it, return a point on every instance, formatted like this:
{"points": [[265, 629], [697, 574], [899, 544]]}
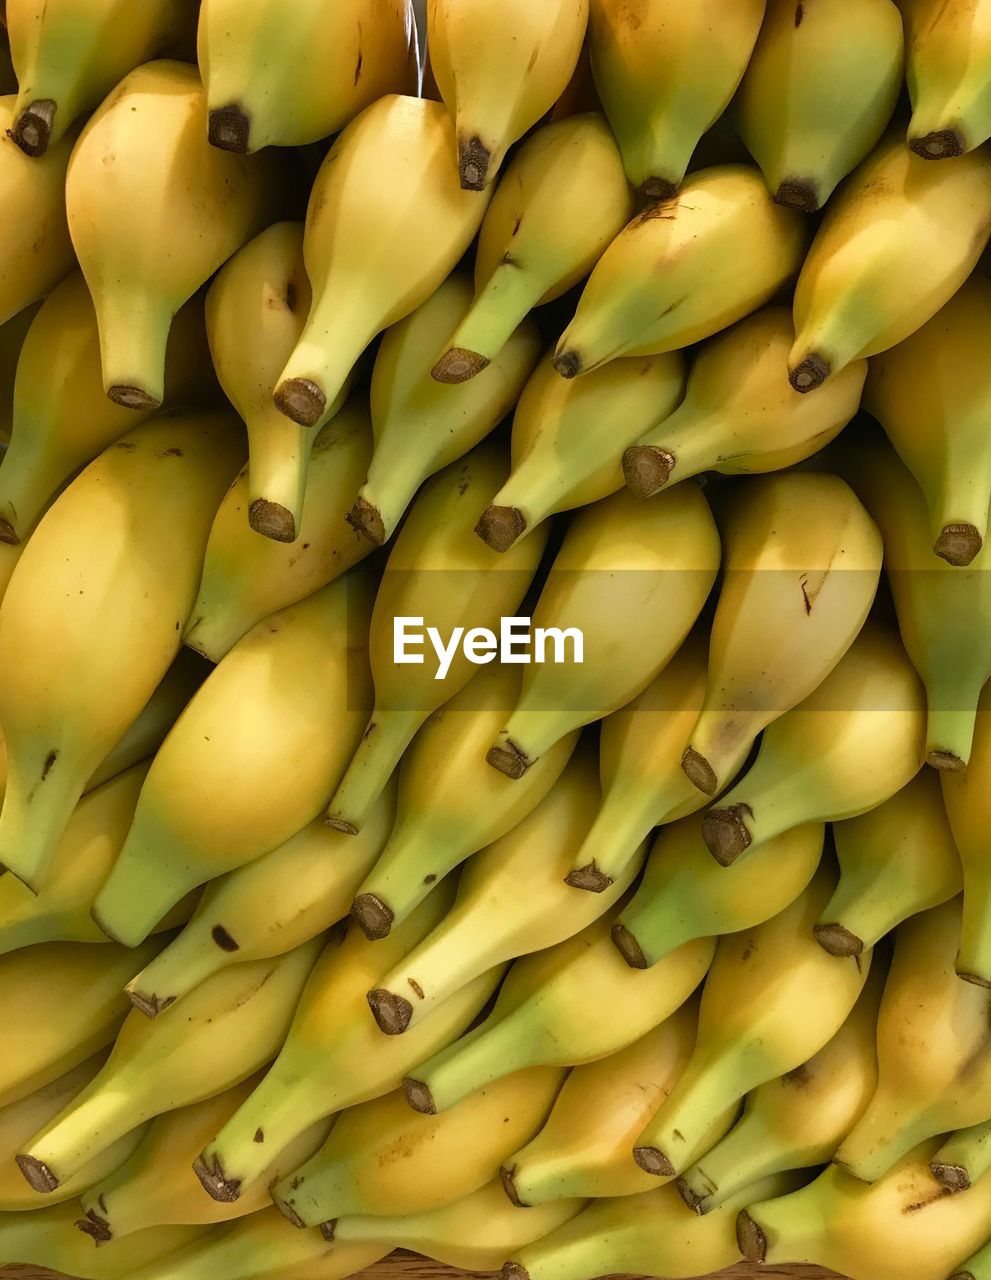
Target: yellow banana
{"points": [[968, 807], [655, 288], [421, 427], [451, 804], [949, 48], [270, 82], [819, 92], [897, 242], [441, 576], [530, 248], [380, 238], [964, 1158], [568, 439], [12, 335], [665, 73], [630, 579], [848, 747], [69, 54], [740, 414], [229, 1028], [499, 68], [146, 148]]}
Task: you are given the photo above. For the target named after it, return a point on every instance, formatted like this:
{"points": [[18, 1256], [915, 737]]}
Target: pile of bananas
{"points": [[324, 366]]}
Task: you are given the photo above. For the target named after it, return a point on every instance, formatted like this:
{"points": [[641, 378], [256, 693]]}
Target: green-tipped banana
{"points": [[964, 1158], [949, 54], [967, 796]]}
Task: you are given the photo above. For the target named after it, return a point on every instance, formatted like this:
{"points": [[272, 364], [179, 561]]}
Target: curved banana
{"points": [[568, 439], [848, 747], [420, 427], [655, 288], [949, 53], [964, 1158], [387, 222], [966, 797], [530, 247]]}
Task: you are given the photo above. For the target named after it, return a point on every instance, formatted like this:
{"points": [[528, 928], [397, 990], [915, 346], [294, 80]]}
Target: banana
{"points": [[511, 902], [528, 253], [655, 288], [440, 573], [66, 1001], [876, 270], [895, 861], [964, 1158], [977, 1267], [584, 1148], [61, 417], [949, 47], [69, 54], [451, 804], [685, 894], [380, 239], [258, 732], [267, 907], [648, 1233], [773, 998], [965, 795], [334, 1056], [631, 580], [420, 427], [228, 1029], [568, 437], [20, 1120], [818, 93], [932, 397], [270, 82], [155, 1186], [246, 577], [96, 606], [9, 556], [146, 148], [665, 73], [847, 748], [542, 1014], [476, 1233], [38, 249], [12, 335], [740, 413], [499, 68], [803, 560], [384, 1159], [900, 1226], [797, 1120], [643, 784]]}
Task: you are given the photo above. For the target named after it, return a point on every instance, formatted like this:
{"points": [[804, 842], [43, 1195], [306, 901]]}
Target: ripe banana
{"points": [[146, 148], [797, 1120], [334, 1056], [542, 1014], [568, 438], [966, 797], [451, 804], [685, 894], [267, 907], [499, 68], [229, 1028], [876, 271], [895, 861], [273, 82], [386, 224], [69, 54], [773, 998], [384, 1159], [530, 247], [964, 1158], [271, 730], [802, 562], [932, 395], [656, 289], [665, 73], [631, 579], [740, 414], [949, 47], [12, 335], [511, 902], [819, 92], [420, 428], [847, 748], [440, 573]]}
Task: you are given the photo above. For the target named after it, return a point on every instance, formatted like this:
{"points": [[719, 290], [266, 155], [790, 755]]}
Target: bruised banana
{"points": [[966, 796]]}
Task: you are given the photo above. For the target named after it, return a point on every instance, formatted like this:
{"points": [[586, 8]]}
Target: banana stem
{"points": [[964, 1158], [488, 1053], [676, 449], [188, 960], [857, 915], [705, 1091], [749, 1152], [974, 956], [506, 299], [579, 1251], [950, 723], [718, 747], [413, 862], [388, 735], [960, 521], [28, 479], [879, 1140], [143, 886], [527, 736], [40, 797], [134, 335], [789, 1229], [279, 458], [95, 1121], [627, 815], [653, 925], [385, 495]]}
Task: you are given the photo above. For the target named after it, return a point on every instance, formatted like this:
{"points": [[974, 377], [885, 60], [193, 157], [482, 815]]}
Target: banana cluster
{"points": [[346, 346]]}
